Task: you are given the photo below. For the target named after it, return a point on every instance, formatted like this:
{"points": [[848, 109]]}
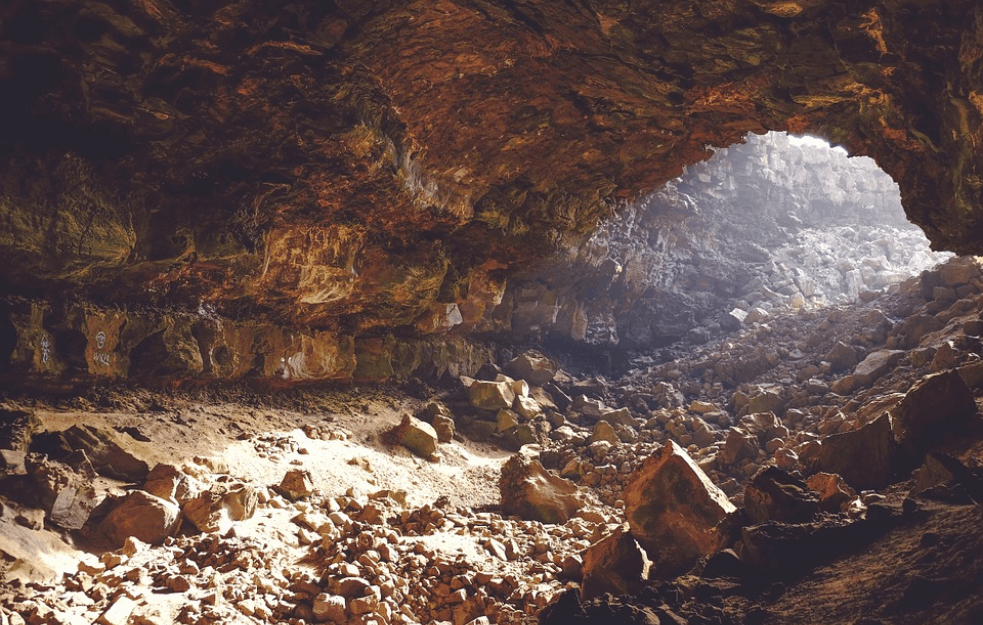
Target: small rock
{"points": [[329, 608]]}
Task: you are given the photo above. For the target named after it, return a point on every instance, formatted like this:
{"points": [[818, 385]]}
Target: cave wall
{"points": [[374, 170]]}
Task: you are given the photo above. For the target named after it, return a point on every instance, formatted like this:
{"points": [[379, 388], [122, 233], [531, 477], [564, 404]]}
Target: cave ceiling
{"points": [[359, 163]]}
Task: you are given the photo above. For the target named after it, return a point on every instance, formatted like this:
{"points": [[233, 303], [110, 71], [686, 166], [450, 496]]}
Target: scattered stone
{"points": [[841, 357], [119, 612], [672, 509], [604, 432], [505, 420], [733, 320]]}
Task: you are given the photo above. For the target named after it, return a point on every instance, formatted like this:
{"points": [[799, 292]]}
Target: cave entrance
{"points": [[771, 226]]}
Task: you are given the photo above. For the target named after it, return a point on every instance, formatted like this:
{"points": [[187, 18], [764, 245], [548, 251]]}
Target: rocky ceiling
{"points": [[351, 166]]}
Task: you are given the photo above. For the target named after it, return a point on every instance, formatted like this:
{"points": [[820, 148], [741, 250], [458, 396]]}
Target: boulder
{"points": [[216, 509], [841, 356], [531, 492], [296, 484], [774, 495], [329, 609], [505, 420], [444, 427], [142, 516], [60, 490], [934, 406], [615, 564], [876, 365], [167, 481], [486, 395], [864, 457], [835, 495], [603, 431], [532, 367], [733, 320], [738, 445], [527, 406], [107, 451], [672, 509], [417, 436]]}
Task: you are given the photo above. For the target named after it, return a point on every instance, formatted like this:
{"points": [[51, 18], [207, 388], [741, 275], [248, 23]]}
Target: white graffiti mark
{"points": [[45, 349], [100, 340], [293, 367], [102, 359]]}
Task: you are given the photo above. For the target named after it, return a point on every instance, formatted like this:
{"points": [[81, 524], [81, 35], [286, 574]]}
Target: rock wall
{"points": [[768, 224]]}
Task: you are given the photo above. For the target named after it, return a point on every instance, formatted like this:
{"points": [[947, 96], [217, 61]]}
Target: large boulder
{"points": [[531, 492], [532, 367], [841, 356], [876, 365], [418, 436], [937, 404], [865, 457], [487, 395], [107, 451], [672, 509], [615, 564], [142, 516]]}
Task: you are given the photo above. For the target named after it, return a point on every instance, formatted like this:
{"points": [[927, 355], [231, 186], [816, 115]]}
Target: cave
{"points": [[474, 312]]}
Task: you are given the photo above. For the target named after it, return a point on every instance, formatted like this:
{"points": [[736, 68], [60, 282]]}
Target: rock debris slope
{"points": [[819, 449], [341, 170]]}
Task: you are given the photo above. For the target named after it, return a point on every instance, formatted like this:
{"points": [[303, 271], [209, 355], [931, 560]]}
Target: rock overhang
{"points": [[356, 168]]}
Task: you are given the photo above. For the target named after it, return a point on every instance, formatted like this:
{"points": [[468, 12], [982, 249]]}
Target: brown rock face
{"points": [[295, 178], [672, 509]]}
